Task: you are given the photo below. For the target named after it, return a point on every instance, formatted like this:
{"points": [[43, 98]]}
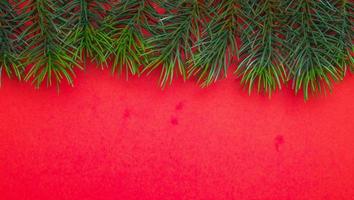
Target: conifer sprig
{"points": [[174, 36], [124, 27], [262, 45], [307, 42], [48, 56], [313, 38], [345, 17], [85, 19], [11, 44], [218, 46]]}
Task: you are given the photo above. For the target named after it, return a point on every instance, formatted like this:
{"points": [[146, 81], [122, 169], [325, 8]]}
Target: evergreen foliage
{"points": [[84, 18], [262, 46], [218, 46], [124, 26], [47, 55], [308, 43], [312, 38], [11, 44], [345, 17], [174, 36]]}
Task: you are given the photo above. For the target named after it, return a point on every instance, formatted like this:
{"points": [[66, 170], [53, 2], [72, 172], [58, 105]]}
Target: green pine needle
{"points": [[312, 38], [308, 42], [11, 44], [174, 36], [218, 46], [262, 47], [124, 25], [48, 56], [345, 17], [85, 21]]}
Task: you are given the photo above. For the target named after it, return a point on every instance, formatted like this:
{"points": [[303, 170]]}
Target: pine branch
{"points": [[85, 20], [47, 54], [11, 44], [218, 46], [261, 50], [174, 36], [124, 25], [345, 17], [307, 41], [312, 38]]}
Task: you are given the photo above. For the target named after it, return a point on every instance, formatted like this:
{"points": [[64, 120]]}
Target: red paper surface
{"points": [[107, 138]]}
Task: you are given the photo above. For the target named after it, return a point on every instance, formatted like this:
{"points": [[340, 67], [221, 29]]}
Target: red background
{"points": [[108, 138]]}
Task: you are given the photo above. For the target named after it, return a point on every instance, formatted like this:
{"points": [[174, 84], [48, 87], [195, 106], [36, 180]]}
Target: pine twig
{"points": [[218, 45], [11, 44], [173, 37], [85, 18], [124, 27], [312, 40], [262, 45], [48, 56]]}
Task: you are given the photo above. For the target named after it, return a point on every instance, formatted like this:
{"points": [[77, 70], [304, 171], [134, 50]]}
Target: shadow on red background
{"points": [[107, 138]]}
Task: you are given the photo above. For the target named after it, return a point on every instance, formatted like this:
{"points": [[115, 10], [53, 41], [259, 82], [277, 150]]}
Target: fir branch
{"points": [[11, 45], [345, 17], [174, 36], [218, 46], [85, 20], [47, 54], [312, 37], [124, 25], [261, 49]]}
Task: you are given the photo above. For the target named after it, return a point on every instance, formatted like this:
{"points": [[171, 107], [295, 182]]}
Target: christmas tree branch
{"points": [[174, 36], [124, 26], [345, 17], [218, 46], [85, 20], [11, 44], [312, 38], [262, 45], [307, 42], [47, 54]]}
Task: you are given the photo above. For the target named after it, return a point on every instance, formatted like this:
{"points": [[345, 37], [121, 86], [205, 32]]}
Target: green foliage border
{"points": [[308, 43]]}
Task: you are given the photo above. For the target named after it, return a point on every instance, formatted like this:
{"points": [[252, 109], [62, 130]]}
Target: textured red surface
{"points": [[108, 138]]}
